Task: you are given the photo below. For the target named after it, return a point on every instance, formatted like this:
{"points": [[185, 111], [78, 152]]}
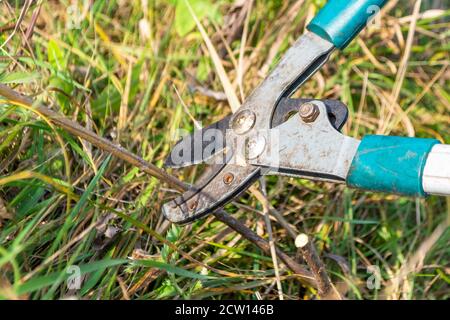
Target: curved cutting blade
{"points": [[199, 146], [215, 190]]}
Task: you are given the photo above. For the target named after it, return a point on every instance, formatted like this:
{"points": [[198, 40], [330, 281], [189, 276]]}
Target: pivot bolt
{"points": [[255, 147], [309, 112], [243, 121]]}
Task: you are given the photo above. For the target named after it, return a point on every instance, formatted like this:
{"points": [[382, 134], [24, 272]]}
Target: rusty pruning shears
{"points": [[272, 134]]}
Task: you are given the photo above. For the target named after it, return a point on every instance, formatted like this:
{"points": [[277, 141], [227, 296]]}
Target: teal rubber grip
{"points": [[339, 21], [390, 164]]}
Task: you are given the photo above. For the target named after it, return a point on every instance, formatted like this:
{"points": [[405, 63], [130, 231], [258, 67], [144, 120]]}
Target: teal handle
{"points": [[339, 21], [390, 164]]}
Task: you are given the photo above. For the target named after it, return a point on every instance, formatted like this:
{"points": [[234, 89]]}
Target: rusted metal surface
{"points": [[310, 150], [301, 61]]}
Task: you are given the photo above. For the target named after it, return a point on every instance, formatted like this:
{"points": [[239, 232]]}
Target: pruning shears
{"points": [[271, 134]]}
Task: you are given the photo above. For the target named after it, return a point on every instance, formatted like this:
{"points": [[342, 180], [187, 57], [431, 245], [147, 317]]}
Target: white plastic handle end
{"points": [[436, 175]]}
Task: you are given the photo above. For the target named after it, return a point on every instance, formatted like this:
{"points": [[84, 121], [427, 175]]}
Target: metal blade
{"points": [[199, 146], [226, 182], [206, 143]]}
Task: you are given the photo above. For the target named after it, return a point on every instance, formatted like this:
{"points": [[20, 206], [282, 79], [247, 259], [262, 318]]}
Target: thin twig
{"points": [[100, 142], [402, 69], [309, 253], [304, 275], [227, 86], [266, 208], [23, 12], [34, 17], [7, 27]]}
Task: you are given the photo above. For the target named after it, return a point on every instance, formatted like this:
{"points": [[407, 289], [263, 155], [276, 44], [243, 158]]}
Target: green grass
{"points": [[115, 70]]}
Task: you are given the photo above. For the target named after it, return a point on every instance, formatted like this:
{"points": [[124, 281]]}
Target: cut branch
{"points": [[307, 249]]}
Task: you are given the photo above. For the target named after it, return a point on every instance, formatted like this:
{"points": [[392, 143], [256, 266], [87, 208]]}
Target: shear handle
{"points": [[339, 21], [408, 166]]}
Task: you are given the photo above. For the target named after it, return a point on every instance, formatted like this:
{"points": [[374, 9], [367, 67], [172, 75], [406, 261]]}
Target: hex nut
{"points": [[309, 112]]}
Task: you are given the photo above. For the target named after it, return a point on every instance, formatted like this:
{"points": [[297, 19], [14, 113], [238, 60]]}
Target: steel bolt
{"points": [[309, 112], [228, 178], [243, 121], [255, 147]]}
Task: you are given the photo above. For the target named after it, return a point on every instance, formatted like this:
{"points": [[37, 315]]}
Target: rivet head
{"points": [[255, 147], [309, 112], [228, 178], [243, 121], [192, 205]]}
